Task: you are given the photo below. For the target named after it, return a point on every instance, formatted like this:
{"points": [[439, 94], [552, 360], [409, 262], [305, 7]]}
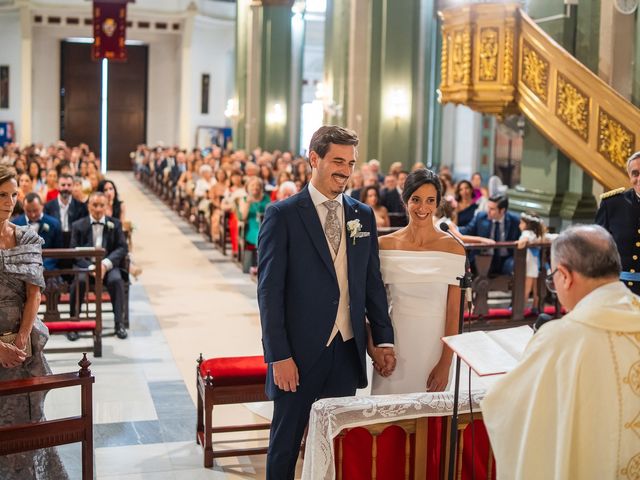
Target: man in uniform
{"points": [[619, 213]]}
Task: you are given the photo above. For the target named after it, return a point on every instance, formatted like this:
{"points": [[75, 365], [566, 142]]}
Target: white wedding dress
{"points": [[417, 285]]}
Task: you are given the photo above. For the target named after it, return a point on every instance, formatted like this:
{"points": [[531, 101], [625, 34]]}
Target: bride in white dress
{"points": [[420, 266]]}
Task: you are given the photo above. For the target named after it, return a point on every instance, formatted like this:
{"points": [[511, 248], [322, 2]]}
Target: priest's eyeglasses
{"points": [[549, 283]]}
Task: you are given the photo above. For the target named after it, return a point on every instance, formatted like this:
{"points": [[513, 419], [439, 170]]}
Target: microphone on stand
{"points": [[444, 226], [541, 320]]}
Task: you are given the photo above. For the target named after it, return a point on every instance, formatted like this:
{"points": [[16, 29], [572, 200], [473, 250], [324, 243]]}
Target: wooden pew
{"points": [[484, 281], [57, 293], [50, 433]]}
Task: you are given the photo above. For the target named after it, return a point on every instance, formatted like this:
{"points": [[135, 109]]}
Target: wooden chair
{"points": [[227, 381], [32, 436]]}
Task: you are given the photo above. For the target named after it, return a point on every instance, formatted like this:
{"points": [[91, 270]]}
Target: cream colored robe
{"points": [[571, 408]]}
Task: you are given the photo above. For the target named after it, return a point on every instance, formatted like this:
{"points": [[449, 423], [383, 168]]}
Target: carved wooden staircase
{"points": [[496, 60]]}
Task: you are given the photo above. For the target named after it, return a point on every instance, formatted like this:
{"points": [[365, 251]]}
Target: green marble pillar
{"points": [[552, 185], [635, 91], [394, 88], [336, 61], [275, 78], [263, 75], [239, 133]]}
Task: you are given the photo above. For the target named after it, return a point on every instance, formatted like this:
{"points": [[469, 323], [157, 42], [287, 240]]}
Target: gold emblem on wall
{"points": [[615, 142], [572, 107], [535, 72], [488, 54]]}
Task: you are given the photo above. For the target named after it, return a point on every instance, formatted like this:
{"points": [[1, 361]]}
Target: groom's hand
{"points": [[389, 360], [285, 375]]}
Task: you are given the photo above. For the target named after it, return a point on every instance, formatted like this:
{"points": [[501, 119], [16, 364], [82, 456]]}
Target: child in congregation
{"points": [[533, 230]]}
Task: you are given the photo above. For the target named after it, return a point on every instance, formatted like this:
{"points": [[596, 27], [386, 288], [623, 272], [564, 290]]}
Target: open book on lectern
{"points": [[491, 353]]}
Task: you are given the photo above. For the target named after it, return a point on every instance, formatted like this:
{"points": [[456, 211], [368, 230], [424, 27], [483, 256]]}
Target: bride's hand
{"points": [[384, 360], [439, 377]]}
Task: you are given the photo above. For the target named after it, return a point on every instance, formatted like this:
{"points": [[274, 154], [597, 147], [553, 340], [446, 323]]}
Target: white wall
{"points": [[163, 91], [212, 52], [461, 128], [10, 54]]}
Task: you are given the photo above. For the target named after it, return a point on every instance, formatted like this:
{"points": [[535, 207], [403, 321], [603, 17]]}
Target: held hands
{"points": [[439, 377], [285, 375], [384, 360]]}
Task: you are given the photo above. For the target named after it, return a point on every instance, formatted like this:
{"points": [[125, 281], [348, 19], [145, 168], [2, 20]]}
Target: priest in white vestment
{"points": [[571, 408]]}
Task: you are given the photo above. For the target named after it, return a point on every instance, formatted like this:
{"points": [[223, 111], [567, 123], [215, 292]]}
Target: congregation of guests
{"points": [[63, 198]]}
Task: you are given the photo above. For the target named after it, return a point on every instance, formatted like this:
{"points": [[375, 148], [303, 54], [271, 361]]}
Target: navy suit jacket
{"points": [[298, 291], [481, 226], [50, 231], [113, 240]]}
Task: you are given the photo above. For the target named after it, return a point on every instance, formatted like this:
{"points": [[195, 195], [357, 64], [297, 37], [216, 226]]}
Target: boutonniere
{"points": [[110, 225], [355, 230], [45, 227]]}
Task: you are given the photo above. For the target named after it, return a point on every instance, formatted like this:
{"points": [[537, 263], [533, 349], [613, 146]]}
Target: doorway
{"points": [[81, 92]]}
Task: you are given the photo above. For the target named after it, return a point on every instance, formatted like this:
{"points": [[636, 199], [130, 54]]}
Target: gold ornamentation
{"points": [[444, 58], [615, 142], [488, 54], [572, 107], [535, 72], [461, 56], [633, 378], [632, 471], [508, 55]]}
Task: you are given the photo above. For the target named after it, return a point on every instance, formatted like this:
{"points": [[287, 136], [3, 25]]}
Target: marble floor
{"points": [[189, 299]]}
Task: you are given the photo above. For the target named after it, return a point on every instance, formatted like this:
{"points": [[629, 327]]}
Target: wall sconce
{"points": [[232, 110], [276, 116], [397, 105]]}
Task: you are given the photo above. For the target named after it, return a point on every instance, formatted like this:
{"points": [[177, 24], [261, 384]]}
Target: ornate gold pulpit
{"points": [[496, 60]]}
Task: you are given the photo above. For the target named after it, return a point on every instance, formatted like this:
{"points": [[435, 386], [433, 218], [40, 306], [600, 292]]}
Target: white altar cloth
{"points": [[331, 415]]}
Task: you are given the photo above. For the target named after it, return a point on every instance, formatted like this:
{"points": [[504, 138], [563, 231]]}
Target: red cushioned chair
{"points": [[227, 381]]}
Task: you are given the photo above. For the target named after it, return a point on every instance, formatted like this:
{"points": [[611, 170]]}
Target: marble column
{"points": [[264, 75]]}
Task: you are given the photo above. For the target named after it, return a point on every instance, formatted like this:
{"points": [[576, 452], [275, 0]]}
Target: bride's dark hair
{"points": [[418, 178]]}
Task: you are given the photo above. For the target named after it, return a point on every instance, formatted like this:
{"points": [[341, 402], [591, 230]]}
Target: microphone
{"points": [[444, 226], [541, 320]]}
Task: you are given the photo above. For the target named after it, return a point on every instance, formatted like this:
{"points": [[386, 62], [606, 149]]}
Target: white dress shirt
{"points": [[97, 227], [319, 198], [64, 214]]}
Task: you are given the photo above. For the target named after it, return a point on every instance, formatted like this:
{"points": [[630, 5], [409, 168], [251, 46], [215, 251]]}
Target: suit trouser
{"points": [[115, 286], [334, 375]]}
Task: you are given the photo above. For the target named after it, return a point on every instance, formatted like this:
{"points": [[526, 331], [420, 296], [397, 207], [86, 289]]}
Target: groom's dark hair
{"points": [[328, 134], [420, 177]]}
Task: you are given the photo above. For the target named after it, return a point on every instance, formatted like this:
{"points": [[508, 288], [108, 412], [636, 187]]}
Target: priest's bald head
{"points": [[583, 258]]}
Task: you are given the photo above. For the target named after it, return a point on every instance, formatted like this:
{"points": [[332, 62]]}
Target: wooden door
{"points": [[79, 96], [127, 107]]}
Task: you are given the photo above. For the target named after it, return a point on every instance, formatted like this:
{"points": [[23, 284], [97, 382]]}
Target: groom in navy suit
{"points": [[319, 275]]}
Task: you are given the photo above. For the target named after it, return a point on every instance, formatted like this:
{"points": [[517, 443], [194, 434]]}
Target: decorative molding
{"points": [[572, 107], [489, 43], [615, 142], [535, 71]]}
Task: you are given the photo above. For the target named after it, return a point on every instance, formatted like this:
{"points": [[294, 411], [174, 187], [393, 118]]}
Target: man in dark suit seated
{"points": [[500, 225], [98, 230], [44, 225], [65, 208], [390, 195]]}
